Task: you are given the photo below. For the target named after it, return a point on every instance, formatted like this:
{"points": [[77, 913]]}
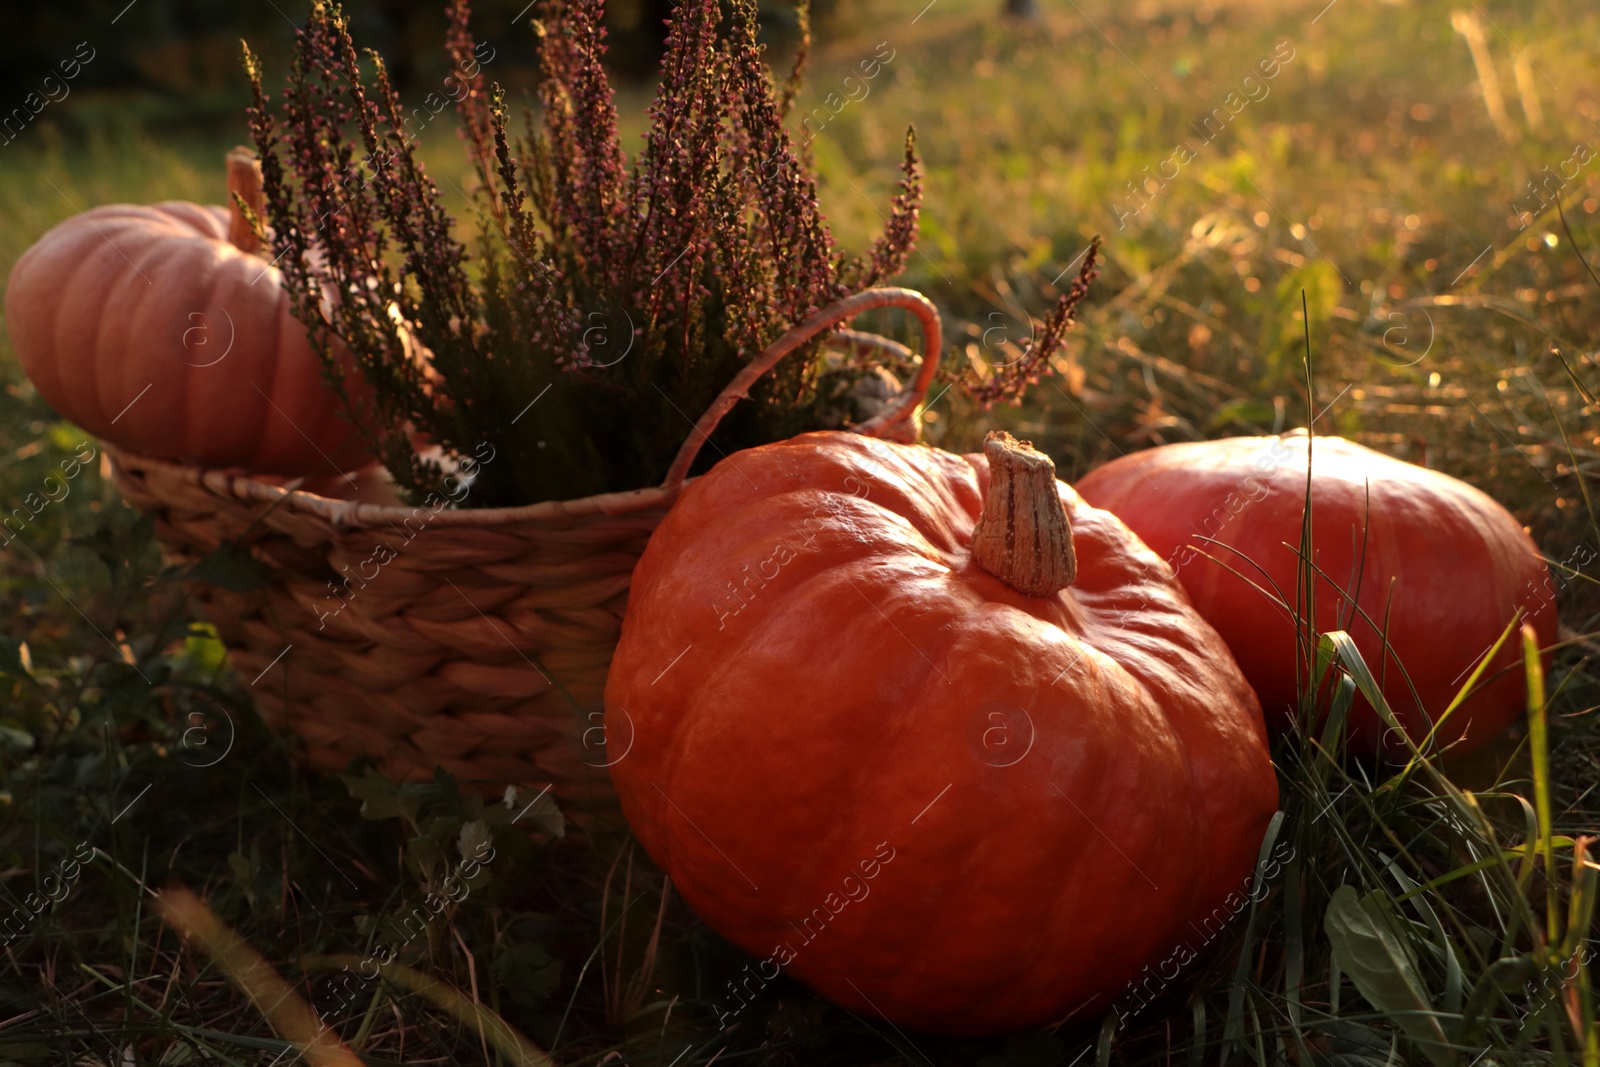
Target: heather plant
{"points": [[1010, 380], [604, 304]]}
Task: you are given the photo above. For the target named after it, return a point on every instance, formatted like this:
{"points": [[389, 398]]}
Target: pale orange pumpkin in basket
{"points": [[162, 330]]}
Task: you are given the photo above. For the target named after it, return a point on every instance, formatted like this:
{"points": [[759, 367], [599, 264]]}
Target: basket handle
{"points": [[887, 423]]}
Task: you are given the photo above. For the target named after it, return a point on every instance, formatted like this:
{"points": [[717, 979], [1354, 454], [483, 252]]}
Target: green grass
{"points": [[1370, 176]]}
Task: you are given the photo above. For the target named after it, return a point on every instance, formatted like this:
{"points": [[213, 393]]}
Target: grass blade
{"points": [[283, 1008], [489, 1025], [1539, 745]]}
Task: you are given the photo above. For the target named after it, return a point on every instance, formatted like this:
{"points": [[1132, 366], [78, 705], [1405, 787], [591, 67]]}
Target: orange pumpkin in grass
{"points": [[158, 328], [930, 733], [1438, 563]]}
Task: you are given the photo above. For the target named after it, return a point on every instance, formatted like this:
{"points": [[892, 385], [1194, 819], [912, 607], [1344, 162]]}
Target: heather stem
{"points": [[244, 186]]}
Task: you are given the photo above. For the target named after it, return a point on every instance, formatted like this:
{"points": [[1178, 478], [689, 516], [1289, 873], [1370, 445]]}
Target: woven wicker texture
{"points": [[476, 640]]}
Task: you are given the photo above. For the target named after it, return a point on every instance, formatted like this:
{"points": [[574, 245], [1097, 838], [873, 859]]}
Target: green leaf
{"points": [[230, 567], [15, 737], [381, 798], [1371, 948], [1506, 978], [449, 790], [140, 535], [428, 849], [1454, 979], [473, 839], [528, 970], [204, 648], [1333, 731], [1340, 646], [177, 1053], [1103, 1046], [544, 812], [118, 542], [1349, 1044]]}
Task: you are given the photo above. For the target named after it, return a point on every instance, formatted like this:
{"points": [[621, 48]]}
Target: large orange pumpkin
{"points": [[1438, 563], [961, 801], [158, 328]]}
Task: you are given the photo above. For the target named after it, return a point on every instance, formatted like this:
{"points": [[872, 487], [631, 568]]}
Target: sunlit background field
{"points": [[1399, 171]]}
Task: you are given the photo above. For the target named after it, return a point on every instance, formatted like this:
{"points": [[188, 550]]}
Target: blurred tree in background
{"points": [[182, 56]]}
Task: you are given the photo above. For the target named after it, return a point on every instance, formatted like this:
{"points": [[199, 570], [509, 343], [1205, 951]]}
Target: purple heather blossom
{"points": [[1011, 381], [637, 288]]}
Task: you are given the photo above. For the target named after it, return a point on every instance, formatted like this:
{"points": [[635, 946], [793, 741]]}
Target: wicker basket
{"points": [[473, 640]]}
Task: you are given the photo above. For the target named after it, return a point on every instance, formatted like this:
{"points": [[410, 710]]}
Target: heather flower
{"points": [[603, 304], [1011, 381]]}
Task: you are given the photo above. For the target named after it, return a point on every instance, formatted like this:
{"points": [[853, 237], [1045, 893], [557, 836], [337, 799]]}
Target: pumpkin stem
{"points": [[244, 183], [1023, 536]]}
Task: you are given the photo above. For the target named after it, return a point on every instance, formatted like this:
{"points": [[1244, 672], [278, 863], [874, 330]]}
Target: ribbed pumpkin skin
{"points": [[124, 296], [847, 712], [1458, 563]]}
